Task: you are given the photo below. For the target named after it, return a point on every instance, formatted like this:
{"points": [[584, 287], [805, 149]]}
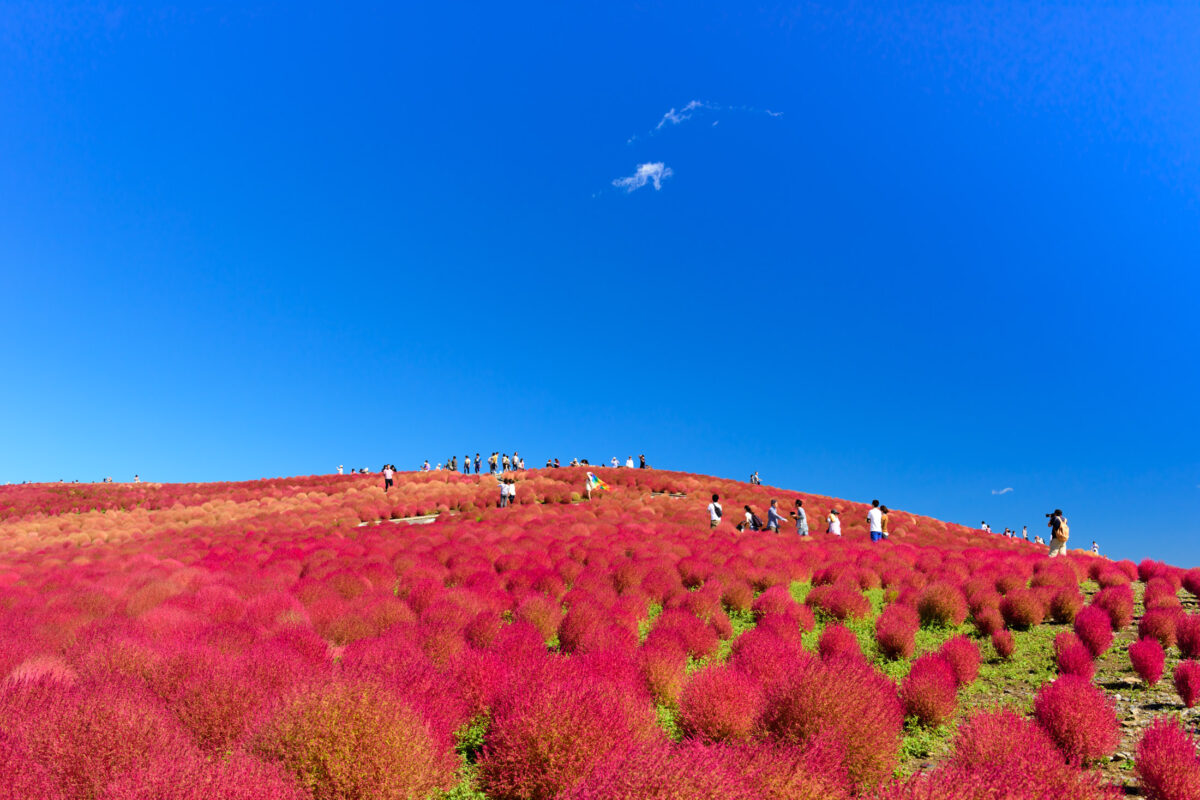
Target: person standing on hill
{"points": [[1059, 533], [773, 518], [503, 492], [512, 491], [755, 480], [714, 512], [504, 463], [629, 462], [387, 477], [801, 518], [339, 469], [477, 463], [642, 461], [752, 520], [834, 521], [875, 521], [883, 522], [492, 464], [1025, 532]]}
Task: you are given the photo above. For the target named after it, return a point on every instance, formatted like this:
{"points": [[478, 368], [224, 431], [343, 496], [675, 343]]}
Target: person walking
{"points": [[884, 520], [388, 472], [714, 512], [1059, 533], [512, 491], [773, 518], [801, 517], [834, 523], [875, 521], [752, 520], [503, 492]]}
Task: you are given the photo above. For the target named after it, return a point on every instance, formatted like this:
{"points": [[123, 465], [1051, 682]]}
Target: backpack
{"points": [[755, 522], [1064, 530]]}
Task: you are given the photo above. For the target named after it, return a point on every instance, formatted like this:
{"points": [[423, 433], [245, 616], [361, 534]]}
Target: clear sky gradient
{"points": [[920, 252]]}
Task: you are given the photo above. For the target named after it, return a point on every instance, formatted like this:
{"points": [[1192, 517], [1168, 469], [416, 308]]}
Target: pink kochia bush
{"points": [[942, 604], [356, 740], [1094, 629], [929, 690], [1187, 635], [1167, 763], [963, 657], [1004, 644], [896, 631], [1079, 718], [846, 703], [1147, 658], [999, 755], [1187, 682], [838, 641], [719, 704], [839, 602], [1022, 609]]}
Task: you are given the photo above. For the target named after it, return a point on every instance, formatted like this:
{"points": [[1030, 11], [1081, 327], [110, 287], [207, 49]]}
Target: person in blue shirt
{"points": [[773, 518]]}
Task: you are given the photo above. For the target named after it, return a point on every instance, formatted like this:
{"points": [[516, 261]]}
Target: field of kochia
{"points": [[285, 639]]}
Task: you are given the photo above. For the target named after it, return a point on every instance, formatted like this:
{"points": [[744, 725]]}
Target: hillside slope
{"points": [[287, 639]]}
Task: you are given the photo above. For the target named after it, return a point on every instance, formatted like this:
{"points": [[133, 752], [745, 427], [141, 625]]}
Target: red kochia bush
{"points": [[1079, 718], [1187, 635], [999, 755], [1065, 604], [839, 602], [1187, 682], [896, 631], [1167, 763], [1003, 643], [776, 600], [929, 690], [942, 604], [1159, 623], [719, 704], [1075, 659], [1117, 601], [848, 702], [189, 776], [554, 728], [21, 777], [988, 621], [838, 641], [1094, 629], [1147, 658], [1022, 609], [963, 657], [356, 740], [1191, 581]]}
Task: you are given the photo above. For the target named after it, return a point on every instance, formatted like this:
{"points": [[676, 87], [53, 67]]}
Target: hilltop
{"points": [[304, 638]]}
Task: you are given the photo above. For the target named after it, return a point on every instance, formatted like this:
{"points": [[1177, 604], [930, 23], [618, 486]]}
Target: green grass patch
{"points": [[923, 744], [668, 721], [646, 624]]}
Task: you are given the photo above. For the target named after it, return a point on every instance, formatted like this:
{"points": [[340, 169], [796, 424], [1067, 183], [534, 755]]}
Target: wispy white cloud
{"points": [[674, 117], [1006, 490], [653, 172]]}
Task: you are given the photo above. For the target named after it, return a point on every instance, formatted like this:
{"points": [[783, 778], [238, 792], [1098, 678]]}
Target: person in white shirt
{"points": [[512, 491], [503, 492], [1025, 532], [1095, 548], [387, 477], [875, 521], [629, 462], [714, 512], [801, 518], [834, 520], [339, 469], [137, 479], [615, 463]]}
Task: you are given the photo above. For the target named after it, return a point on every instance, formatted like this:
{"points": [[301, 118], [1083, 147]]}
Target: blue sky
{"points": [[919, 252]]}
